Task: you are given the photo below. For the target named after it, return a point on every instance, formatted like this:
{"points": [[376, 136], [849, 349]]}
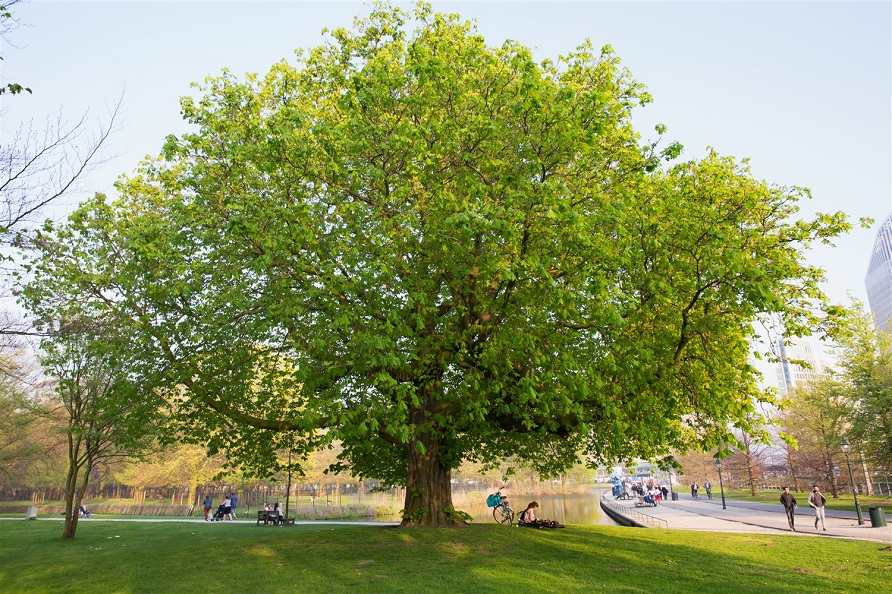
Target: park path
{"points": [[756, 517], [202, 521]]}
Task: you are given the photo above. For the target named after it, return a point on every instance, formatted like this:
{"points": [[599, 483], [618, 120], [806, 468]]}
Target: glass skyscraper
{"points": [[879, 277]]}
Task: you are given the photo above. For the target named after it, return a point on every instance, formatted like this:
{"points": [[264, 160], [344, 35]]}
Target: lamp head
{"points": [[718, 462], [844, 444]]}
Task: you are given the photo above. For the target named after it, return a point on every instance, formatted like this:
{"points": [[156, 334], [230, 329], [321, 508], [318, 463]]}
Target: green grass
{"points": [[845, 501], [176, 557]]}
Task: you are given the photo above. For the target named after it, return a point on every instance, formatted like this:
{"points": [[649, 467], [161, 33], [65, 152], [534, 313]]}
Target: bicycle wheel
{"points": [[502, 514]]}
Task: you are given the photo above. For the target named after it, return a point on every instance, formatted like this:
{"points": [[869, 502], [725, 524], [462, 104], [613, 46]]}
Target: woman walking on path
{"points": [[208, 504], [817, 501]]}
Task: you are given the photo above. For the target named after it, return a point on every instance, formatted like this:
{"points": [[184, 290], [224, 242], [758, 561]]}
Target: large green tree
{"points": [[434, 250]]}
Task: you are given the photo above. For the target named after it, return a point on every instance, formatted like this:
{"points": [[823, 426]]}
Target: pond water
{"points": [[566, 509]]}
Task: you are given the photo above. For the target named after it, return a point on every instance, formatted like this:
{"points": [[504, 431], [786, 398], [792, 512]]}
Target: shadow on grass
{"points": [[125, 557]]}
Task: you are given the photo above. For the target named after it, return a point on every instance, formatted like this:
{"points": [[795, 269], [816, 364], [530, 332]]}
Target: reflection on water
{"points": [[566, 509]]}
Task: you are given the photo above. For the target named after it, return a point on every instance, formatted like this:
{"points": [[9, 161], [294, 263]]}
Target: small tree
{"points": [[18, 415], [816, 415], [747, 460], [104, 413]]}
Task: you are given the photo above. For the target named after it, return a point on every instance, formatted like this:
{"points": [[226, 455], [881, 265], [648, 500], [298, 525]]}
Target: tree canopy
{"points": [[435, 250]]}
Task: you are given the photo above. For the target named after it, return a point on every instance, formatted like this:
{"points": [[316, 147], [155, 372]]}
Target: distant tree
{"points": [[432, 250], [816, 415], [866, 362], [18, 415], [185, 466], [747, 459], [697, 466]]}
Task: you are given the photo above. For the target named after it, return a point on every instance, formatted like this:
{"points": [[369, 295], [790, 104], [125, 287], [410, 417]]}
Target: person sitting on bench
{"points": [[274, 516]]}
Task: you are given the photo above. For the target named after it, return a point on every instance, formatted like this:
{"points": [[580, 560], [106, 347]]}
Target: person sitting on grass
{"points": [[528, 518]]}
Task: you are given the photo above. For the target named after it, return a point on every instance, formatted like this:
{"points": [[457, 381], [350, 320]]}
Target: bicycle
{"points": [[501, 511]]}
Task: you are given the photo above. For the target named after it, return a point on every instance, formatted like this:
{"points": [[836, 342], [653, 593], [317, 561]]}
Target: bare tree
{"points": [[40, 165], [748, 460]]}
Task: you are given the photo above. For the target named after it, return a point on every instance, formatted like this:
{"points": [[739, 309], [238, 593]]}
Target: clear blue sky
{"points": [[800, 88]]}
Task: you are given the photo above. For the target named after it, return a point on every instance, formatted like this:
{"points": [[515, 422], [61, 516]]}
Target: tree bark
{"points": [[70, 527], [428, 489], [831, 474]]}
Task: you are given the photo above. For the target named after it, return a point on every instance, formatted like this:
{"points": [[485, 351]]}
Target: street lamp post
{"points": [[844, 444], [718, 464]]}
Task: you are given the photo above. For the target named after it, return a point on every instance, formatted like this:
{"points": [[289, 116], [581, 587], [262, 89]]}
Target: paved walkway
{"points": [[764, 518], [170, 519]]}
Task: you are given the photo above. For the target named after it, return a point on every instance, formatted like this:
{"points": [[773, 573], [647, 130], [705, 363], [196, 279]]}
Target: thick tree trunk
{"points": [[429, 490]]}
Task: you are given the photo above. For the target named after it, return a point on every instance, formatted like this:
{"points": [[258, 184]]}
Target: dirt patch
{"points": [[804, 570], [838, 569], [262, 551], [616, 567]]}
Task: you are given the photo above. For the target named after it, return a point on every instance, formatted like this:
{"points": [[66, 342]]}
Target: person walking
{"points": [[790, 505], [233, 501], [208, 504], [708, 486], [817, 501], [227, 508]]}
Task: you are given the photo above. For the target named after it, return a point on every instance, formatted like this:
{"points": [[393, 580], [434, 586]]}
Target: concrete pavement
{"points": [[754, 517]]}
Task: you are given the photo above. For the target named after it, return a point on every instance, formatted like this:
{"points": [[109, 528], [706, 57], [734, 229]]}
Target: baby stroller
{"points": [[218, 515]]}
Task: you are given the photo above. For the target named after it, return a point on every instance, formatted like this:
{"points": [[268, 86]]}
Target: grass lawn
{"points": [[177, 557]]}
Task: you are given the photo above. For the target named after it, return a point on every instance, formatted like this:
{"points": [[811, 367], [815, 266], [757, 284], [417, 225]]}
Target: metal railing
{"points": [[632, 513]]}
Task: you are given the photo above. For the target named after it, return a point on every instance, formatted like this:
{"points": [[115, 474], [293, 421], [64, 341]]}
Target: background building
{"points": [[789, 373], [879, 277]]}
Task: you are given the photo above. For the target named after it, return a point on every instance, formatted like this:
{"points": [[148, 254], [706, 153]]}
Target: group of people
{"points": [[646, 494], [695, 490], [816, 501], [225, 511], [274, 515]]}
